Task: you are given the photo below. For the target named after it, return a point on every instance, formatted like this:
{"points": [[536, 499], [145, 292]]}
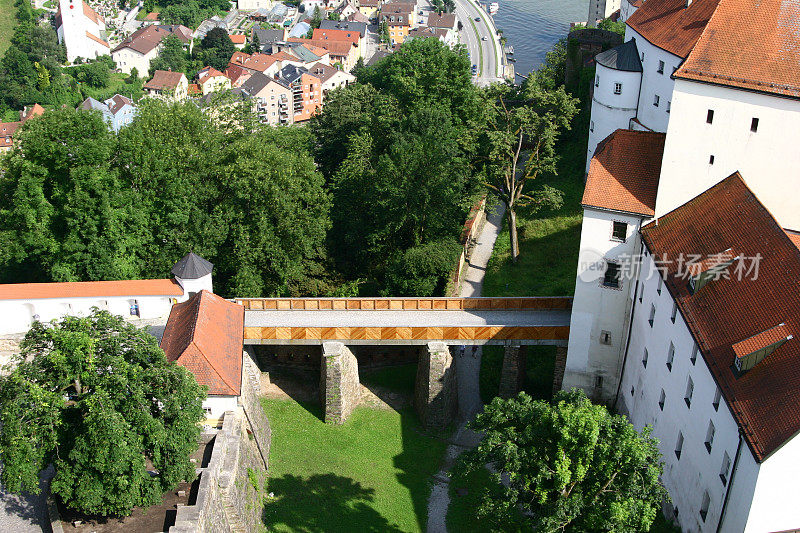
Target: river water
{"points": [[532, 27]]}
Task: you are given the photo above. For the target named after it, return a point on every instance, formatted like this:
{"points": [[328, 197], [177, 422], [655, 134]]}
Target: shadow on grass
{"points": [[323, 503], [539, 369]]}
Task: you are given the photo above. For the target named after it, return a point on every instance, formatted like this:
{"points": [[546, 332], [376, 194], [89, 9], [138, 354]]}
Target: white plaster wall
{"points": [[625, 10], [74, 25], [17, 315], [219, 405], [654, 83], [775, 503], [697, 470], [597, 308], [191, 286], [127, 58], [610, 111], [769, 160]]}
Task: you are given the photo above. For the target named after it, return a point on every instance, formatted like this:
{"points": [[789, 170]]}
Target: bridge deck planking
{"points": [[396, 304]]}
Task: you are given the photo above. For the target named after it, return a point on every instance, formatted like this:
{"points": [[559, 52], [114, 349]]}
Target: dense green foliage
{"points": [[171, 57], [97, 398], [80, 203], [217, 49], [570, 465]]}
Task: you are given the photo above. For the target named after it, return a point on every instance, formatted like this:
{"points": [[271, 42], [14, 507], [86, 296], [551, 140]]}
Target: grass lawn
{"points": [[369, 474], [116, 84], [8, 18], [399, 378]]}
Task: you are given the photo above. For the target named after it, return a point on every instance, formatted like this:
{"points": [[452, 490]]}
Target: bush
{"points": [[423, 269]]}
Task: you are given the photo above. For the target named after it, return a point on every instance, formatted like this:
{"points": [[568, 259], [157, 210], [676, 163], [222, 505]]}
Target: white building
{"points": [[637, 94], [144, 45], [712, 369], [205, 334], [80, 29], [118, 111], [628, 8], [141, 299], [705, 358]]}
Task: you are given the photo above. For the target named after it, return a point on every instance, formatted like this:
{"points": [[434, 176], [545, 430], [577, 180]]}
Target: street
{"points": [[486, 54]]}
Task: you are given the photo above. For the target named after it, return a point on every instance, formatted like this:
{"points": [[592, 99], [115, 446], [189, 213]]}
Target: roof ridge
{"points": [[705, 192], [208, 359]]}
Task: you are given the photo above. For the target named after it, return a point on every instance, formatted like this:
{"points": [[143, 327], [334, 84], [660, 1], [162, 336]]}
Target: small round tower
{"points": [[193, 274]]}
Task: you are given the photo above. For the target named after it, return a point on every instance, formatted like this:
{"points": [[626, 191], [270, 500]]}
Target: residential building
{"points": [[144, 45], [679, 201], [268, 36], [628, 8], [81, 30], [118, 111], [397, 22], [445, 20], [272, 100], [168, 84], [205, 335], [402, 7], [239, 40], [252, 5], [343, 52], [9, 129], [141, 299], [211, 80], [237, 74], [354, 37], [345, 9], [306, 91], [369, 8], [331, 77], [349, 26], [448, 37]]}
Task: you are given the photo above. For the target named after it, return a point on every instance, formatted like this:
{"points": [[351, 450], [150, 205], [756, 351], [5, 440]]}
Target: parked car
{"points": [[484, 38], [477, 19]]}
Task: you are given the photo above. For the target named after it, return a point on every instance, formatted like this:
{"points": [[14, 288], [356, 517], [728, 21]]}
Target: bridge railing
{"points": [[405, 304]]}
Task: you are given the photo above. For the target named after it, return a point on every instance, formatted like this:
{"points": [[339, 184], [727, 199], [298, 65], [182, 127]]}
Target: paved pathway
{"points": [[467, 372], [25, 513]]}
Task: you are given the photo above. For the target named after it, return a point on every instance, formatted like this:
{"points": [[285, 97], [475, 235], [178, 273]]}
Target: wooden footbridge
{"points": [[518, 321]]}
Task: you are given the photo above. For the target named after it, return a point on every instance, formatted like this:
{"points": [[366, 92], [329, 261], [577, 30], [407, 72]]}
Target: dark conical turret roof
{"points": [[192, 266], [623, 57]]}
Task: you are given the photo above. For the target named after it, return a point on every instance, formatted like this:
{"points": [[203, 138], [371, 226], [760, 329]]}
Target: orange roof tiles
{"points": [[624, 172], [96, 39], [257, 62], [765, 401], [670, 25], [164, 79], [334, 48], [238, 38], [712, 261], [92, 14], [794, 236], [207, 73], [336, 35], [205, 335], [749, 44], [90, 289], [761, 340]]}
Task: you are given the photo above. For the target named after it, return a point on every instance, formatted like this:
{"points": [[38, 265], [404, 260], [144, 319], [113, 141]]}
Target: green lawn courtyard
{"points": [[370, 474], [7, 21]]}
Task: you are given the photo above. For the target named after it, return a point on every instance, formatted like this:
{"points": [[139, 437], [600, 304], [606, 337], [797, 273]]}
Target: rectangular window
{"points": [[598, 382], [617, 88], [674, 312], [669, 105], [726, 468], [656, 100], [642, 57], [619, 231], [660, 284], [689, 392], [597, 81], [670, 356], [711, 160], [652, 315], [605, 337], [661, 67], [644, 358], [641, 292], [611, 277], [717, 398], [632, 390], [679, 445], [591, 125], [693, 357], [709, 436], [710, 116], [705, 505], [754, 125], [661, 400]]}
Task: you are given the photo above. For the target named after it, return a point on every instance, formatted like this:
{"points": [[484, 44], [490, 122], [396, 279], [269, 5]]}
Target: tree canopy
{"points": [[96, 398], [217, 48], [570, 466]]}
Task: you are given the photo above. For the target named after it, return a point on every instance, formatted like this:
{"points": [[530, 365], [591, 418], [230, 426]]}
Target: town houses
{"points": [[686, 304]]}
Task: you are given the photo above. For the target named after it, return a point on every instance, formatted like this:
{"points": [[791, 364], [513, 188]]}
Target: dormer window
{"points": [[711, 268], [751, 351]]}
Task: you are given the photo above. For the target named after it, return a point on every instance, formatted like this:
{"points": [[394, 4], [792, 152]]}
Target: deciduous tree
{"points": [[570, 466], [96, 398]]}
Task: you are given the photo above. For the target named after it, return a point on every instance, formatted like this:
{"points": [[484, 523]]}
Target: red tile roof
{"points": [[624, 172], [90, 289], [336, 35], [765, 401], [334, 48], [164, 79], [723, 258], [96, 39], [238, 38], [205, 335], [794, 236], [762, 56], [257, 62], [92, 14], [207, 73], [761, 340], [670, 25]]}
